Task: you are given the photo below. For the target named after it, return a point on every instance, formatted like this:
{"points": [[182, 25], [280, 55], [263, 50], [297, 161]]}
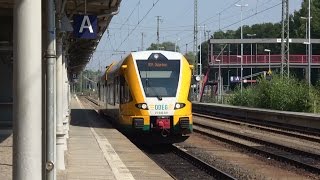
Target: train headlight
{"points": [[143, 106], [179, 105]]}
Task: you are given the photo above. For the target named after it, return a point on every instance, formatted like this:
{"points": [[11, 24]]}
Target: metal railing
{"points": [[264, 59]]}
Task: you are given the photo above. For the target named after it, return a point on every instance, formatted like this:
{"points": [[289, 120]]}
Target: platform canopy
{"points": [[79, 50]]}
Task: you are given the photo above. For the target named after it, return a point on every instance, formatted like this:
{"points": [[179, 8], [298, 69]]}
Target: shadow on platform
{"points": [[4, 134], [89, 118]]}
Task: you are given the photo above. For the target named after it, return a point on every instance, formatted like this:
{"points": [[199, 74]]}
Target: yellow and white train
{"points": [[147, 93]]}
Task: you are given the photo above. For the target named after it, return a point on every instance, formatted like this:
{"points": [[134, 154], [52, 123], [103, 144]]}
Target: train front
{"points": [[165, 78]]}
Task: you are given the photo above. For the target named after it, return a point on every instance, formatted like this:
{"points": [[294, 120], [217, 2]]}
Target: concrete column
{"points": [[55, 108], [27, 87], [59, 111], [50, 94], [65, 98]]}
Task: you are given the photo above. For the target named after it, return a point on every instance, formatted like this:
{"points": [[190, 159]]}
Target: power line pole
{"points": [[142, 41], [195, 35], [219, 20], [186, 48], [309, 43], [241, 28], [99, 65], [195, 47], [208, 35], [158, 33], [204, 32], [285, 39]]}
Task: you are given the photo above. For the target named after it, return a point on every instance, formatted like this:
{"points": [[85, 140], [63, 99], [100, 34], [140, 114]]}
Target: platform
{"points": [[98, 151], [5, 154]]}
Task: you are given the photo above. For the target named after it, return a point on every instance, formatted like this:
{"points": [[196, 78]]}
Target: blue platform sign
{"points": [[85, 26], [234, 79]]}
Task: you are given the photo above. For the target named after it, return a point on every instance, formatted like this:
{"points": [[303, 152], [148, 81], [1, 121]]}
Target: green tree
{"points": [[167, 46], [273, 30], [190, 57], [298, 26]]}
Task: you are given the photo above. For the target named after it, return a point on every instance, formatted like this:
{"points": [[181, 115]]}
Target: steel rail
{"points": [[264, 127], [245, 115], [276, 151], [210, 169], [217, 173]]}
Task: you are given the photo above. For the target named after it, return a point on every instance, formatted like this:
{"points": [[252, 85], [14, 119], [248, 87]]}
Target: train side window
{"points": [[110, 94], [117, 90], [122, 81], [125, 91], [107, 93], [128, 96], [113, 92]]}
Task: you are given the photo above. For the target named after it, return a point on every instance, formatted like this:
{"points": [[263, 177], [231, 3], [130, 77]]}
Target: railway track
{"points": [[252, 121], [305, 160], [302, 159], [266, 127], [182, 165]]}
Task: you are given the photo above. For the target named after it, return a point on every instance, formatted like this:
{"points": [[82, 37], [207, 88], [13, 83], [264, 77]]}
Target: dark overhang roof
{"points": [[80, 50]]}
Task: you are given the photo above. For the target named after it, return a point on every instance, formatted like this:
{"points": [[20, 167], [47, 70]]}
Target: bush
{"points": [[287, 94], [246, 99]]}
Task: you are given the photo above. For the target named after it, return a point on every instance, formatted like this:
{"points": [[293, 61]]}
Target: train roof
{"points": [[143, 55], [146, 54], [108, 69]]}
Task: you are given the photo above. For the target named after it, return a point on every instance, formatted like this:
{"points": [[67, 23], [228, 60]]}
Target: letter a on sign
{"points": [[85, 26]]}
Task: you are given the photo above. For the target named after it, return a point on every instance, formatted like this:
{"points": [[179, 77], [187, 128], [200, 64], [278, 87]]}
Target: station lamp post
{"points": [[308, 44], [307, 50], [219, 80], [241, 6], [229, 80], [269, 51], [306, 18], [251, 35], [241, 70]]}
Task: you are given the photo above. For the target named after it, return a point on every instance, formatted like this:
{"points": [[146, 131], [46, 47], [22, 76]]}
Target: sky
{"points": [[176, 23]]}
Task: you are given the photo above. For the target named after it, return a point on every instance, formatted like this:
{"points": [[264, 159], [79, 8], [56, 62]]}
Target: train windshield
{"points": [[159, 78]]}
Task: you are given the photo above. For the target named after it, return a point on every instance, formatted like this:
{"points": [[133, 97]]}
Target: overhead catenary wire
{"points": [[246, 18], [154, 4], [137, 5], [231, 16], [182, 33], [228, 7], [235, 15], [252, 15], [164, 29]]}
